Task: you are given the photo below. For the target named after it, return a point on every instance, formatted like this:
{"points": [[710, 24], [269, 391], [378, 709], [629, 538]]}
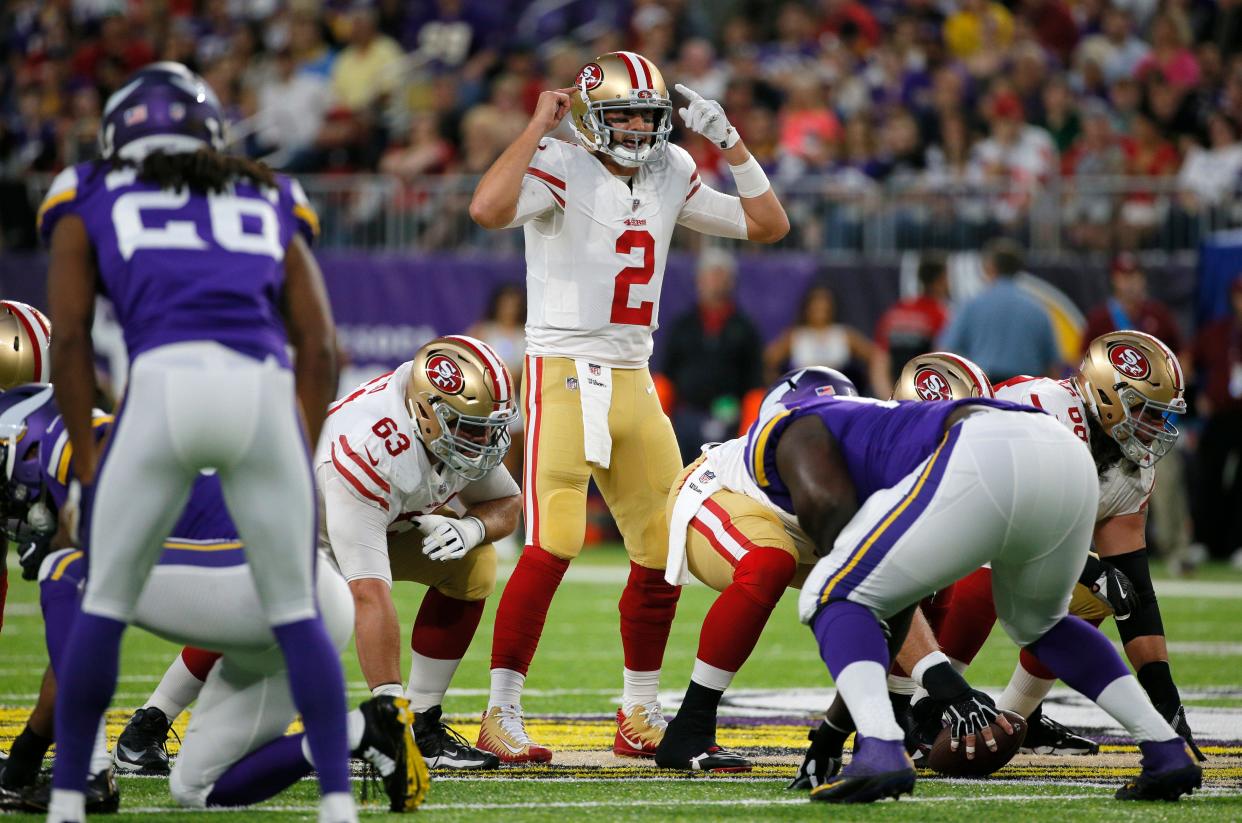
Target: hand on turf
{"points": [[706, 117], [970, 718], [448, 538]]}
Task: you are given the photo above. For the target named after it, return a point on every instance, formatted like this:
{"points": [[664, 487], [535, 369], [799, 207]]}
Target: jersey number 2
{"points": [[622, 311]]}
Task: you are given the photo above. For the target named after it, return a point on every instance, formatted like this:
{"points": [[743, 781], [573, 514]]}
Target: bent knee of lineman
{"points": [[188, 794], [473, 577]]}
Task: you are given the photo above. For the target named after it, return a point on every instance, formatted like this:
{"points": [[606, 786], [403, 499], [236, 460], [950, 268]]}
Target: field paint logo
{"points": [[930, 384], [1129, 361], [590, 77], [445, 374]]}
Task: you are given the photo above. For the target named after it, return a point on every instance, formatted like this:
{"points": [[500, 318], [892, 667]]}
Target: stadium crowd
{"points": [[930, 99]]}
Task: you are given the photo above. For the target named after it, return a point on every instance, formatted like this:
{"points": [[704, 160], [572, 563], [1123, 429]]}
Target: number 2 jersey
{"points": [[183, 266], [1124, 487], [596, 246]]}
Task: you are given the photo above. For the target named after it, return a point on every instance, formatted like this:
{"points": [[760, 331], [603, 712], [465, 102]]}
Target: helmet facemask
{"points": [[1146, 432], [468, 445], [610, 140]]}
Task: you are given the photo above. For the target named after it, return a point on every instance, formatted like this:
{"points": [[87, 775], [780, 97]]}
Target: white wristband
{"points": [[750, 179], [933, 659], [389, 690], [478, 527]]}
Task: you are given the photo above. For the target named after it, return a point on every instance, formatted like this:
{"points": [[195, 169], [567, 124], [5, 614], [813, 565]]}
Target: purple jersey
{"points": [[183, 266], [203, 536], [882, 440]]}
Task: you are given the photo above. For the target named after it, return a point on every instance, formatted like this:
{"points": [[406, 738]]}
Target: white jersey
{"points": [[596, 246], [1124, 488], [374, 476]]}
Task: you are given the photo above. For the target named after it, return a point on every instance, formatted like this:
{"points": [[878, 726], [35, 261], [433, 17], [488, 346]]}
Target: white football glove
{"points": [[707, 117], [448, 538]]}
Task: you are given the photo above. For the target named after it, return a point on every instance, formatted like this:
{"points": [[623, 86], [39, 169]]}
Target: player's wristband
{"points": [[750, 178], [388, 690]]}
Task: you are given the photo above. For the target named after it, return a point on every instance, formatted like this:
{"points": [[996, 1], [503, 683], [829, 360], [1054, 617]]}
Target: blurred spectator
{"points": [[1218, 366], [1004, 329], [818, 339], [1148, 155], [1053, 26], [851, 21], [116, 50], [1170, 54], [805, 115], [712, 357], [978, 29], [504, 328], [1209, 175], [1016, 158], [292, 105], [1060, 114], [1096, 154], [425, 152], [1116, 49], [1130, 307], [698, 69], [910, 327], [369, 67], [309, 48]]}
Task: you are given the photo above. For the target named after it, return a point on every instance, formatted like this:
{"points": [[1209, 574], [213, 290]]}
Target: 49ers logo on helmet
{"points": [[1129, 361], [445, 374], [590, 77], [930, 384]]}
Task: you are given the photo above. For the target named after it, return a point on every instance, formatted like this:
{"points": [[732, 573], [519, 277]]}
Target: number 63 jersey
{"points": [[182, 265], [596, 246]]}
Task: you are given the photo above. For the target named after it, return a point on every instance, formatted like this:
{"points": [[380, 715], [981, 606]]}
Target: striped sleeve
{"points": [[58, 202], [304, 215], [357, 469]]}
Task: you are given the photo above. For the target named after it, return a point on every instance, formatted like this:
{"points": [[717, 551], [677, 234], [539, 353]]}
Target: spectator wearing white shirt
{"points": [[291, 108], [1209, 175], [1016, 158]]}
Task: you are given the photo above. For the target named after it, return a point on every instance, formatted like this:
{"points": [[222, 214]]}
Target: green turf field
{"points": [[575, 681]]}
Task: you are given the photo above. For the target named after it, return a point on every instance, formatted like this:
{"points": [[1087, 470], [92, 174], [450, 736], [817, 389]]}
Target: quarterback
{"points": [[598, 215]]}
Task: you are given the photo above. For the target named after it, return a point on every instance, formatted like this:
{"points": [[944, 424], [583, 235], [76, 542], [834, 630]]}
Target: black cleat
{"points": [[388, 745], [102, 795], [444, 748], [879, 769], [1179, 724], [1169, 771], [817, 765], [142, 747], [1046, 736], [696, 752]]}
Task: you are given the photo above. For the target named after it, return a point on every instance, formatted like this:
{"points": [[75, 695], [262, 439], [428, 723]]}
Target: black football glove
{"points": [[968, 717], [822, 759], [32, 546], [1110, 586]]}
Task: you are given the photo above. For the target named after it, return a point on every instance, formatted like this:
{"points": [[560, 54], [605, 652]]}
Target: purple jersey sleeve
{"points": [[305, 218]]}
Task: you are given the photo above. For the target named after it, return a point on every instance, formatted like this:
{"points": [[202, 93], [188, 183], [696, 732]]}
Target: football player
{"points": [[877, 485], [1121, 403], [235, 752], [206, 262], [398, 451], [598, 215]]}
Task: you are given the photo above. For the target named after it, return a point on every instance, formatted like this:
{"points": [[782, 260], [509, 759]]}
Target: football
{"points": [[944, 760]]}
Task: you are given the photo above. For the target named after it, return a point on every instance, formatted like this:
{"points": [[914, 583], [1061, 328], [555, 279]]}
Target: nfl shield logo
{"points": [[593, 369], [707, 476]]}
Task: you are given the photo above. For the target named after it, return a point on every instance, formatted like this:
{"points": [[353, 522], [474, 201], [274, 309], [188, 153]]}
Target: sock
{"points": [[199, 661], [1025, 691], [852, 643], [66, 805], [648, 604], [1085, 659], [524, 608], [86, 679], [441, 635], [968, 620], [178, 688], [59, 602], [318, 687], [101, 757], [639, 688], [506, 688], [25, 759], [338, 807], [264, 773], [698, 709], [1157, 680]]}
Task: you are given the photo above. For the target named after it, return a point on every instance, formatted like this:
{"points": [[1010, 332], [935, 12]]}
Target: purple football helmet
{"points": [[162, 106], [26, 412], [807, 384]]}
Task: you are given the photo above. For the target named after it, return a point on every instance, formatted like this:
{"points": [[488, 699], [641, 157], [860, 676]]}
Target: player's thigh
{"points": [[472, 577], [724, 530], [644, 464], [555, 473]]}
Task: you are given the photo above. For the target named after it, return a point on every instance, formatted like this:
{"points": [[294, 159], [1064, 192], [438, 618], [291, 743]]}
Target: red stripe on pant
{"points": [[735, 621]]}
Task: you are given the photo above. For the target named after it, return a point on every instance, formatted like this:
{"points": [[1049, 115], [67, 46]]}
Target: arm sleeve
{"points": [[357, 532], [496, 484], [711, 212], [535, 201]]}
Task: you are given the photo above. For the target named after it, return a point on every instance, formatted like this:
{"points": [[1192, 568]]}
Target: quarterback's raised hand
{"points": [[706, 117], [448, 538], [551, 109]]}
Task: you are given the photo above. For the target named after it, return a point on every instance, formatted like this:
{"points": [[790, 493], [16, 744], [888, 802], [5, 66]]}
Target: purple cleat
{"points": [[1169, 771], [879, 769]]}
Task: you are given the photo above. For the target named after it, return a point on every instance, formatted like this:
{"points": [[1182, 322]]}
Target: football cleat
{"points": [[1179, 724], [388, 745], [817, 766], [503, 733], [879, 769], [1169, 771], [1046, 736], [695, 750], [142, 747], [444, 748], [640, 731], [102, 795]]}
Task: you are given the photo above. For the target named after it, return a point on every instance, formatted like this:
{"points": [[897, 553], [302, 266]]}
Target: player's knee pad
{"points": [[562, 526], [66, 567], [474, 577], [1145, 620], [764, 573]]}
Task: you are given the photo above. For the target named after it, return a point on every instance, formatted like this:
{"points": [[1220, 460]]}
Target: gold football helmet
{"points": [[941, 375], [24, 337], [460, 396], [621, 80], [1132, 384]]}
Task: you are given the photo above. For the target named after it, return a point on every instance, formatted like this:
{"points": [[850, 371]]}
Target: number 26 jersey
{"points": [[183, 266], [596, 246]]}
